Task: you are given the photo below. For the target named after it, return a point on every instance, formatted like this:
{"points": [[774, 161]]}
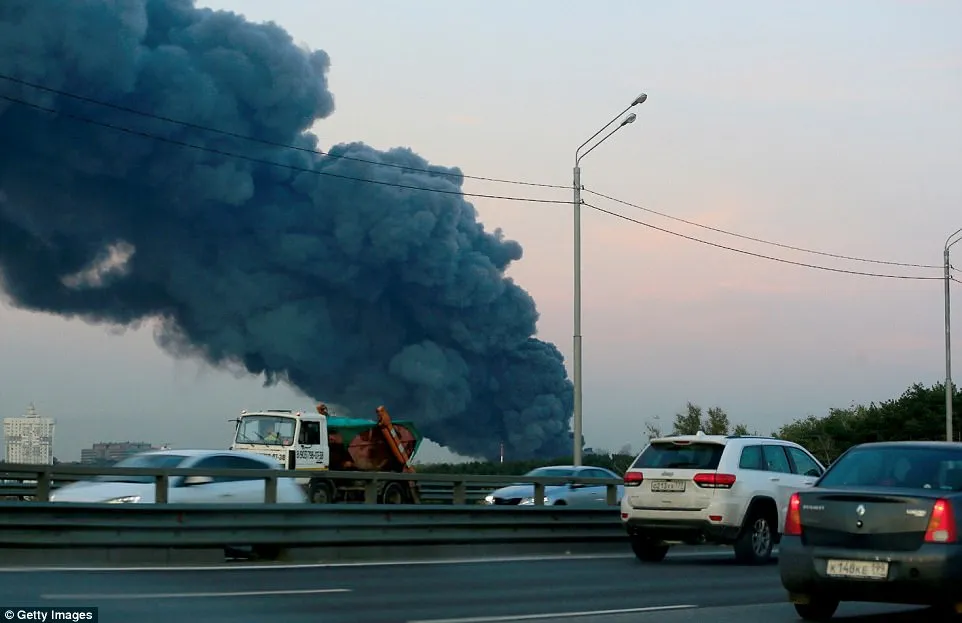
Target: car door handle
{"points": [[774, 479], [808, 483]]}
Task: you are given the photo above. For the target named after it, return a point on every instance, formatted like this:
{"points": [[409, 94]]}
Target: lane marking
{"points": [[304, 591], [557, 615], [244, 566], [241, 566]]}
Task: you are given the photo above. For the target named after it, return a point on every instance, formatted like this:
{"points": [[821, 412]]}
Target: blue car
{"points": [[568, 494]]}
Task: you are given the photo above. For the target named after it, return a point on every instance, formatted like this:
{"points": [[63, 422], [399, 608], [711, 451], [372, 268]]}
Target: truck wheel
{"points": [[319, 492], [394, 493]]}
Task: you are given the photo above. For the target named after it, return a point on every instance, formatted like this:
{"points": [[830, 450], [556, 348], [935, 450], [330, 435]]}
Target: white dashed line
{"points": [[557, 615]]}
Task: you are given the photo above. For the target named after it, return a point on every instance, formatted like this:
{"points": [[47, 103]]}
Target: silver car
{"points": [[569, 494]]}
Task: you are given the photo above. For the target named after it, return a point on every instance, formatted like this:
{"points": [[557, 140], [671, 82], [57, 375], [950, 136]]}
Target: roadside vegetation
{"points": [[918, 414]]}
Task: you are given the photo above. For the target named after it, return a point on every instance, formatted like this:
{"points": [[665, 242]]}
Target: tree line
{"points": [[714, 421], [918, 414]]}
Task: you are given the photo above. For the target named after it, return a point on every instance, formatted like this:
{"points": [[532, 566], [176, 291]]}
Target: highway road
{"points": [[689, 586]]}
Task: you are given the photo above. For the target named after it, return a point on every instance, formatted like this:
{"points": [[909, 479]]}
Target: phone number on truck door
{"points": [[310, 455]]}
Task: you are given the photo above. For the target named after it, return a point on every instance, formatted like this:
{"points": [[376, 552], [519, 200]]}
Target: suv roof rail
{"points": [[753, 437]]}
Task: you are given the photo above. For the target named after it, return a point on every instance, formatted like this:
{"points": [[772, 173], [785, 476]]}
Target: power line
{"points": [[408, 168], [244, 137], [269, 162], [758, 255], [744, 237]]}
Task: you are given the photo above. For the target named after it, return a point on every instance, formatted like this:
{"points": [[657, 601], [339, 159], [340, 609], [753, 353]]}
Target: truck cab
{"points": [[296, 440]]}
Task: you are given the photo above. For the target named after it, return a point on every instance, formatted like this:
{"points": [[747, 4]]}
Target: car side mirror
{"points": [[197, 480], [813, 472]]}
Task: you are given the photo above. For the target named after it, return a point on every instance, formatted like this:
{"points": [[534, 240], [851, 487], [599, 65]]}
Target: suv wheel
{"points": [[818, 609], [648, 550], [755, 544]]}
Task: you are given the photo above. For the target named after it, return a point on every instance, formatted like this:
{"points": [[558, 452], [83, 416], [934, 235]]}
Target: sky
{"points": [[820, 125]]}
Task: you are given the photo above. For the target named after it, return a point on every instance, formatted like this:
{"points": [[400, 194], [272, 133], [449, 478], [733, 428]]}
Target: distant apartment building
{"points": [[109, 452], [29, 438]]}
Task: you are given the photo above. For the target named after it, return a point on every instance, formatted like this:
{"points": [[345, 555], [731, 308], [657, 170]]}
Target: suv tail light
{"points": [[793, 518], [633, 479], [941, 524], [715, 481]]}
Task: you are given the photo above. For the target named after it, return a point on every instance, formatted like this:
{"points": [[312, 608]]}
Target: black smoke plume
{"points": [[356, 293]]}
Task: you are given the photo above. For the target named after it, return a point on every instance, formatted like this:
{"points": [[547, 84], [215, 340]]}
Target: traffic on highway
{"points": [[744, 526]]}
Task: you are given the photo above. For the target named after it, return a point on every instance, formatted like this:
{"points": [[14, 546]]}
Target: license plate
{"points": [[858, 569], [668, 486]]}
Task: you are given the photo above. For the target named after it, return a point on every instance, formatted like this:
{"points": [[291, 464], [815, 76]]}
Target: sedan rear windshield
{"points": [[680, 455], [903, 467]]}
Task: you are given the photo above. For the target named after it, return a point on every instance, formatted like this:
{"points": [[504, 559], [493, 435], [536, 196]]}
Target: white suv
{"points": [[717, 489]]}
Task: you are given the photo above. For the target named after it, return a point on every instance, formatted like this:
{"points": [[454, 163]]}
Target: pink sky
{"points": [[830, 128]]}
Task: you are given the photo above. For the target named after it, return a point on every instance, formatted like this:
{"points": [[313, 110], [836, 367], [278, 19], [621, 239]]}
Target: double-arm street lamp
{"points": [[577, 258], [948, 336]]}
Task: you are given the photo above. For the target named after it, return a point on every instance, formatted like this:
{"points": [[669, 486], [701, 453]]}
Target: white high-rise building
{"points": [[29, 438]]}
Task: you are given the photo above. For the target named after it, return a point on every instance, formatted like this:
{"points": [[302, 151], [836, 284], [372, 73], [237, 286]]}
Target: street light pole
{"points": [[576, 184], [948, 337]]}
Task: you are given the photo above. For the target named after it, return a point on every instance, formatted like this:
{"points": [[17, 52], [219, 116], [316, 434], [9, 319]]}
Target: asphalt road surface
{"points": [[687, 587]]}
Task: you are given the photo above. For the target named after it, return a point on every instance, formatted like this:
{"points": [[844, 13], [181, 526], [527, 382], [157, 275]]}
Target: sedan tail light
{"points": [[715, 481], [633, 479], [941, 523], [793, 518]]}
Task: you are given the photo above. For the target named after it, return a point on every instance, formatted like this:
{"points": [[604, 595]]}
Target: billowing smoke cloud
{"points": [[357, 293]]}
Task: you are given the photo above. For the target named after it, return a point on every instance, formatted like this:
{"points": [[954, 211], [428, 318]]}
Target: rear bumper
{"points": [[684, 530], [930, 575]]}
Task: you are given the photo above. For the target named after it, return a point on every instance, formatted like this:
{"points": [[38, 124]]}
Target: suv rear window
{"points": [[683, 455], [904, 467]]}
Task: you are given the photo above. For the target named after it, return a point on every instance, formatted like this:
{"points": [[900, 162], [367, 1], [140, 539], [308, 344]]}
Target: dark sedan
{"points": [[879, 526]]}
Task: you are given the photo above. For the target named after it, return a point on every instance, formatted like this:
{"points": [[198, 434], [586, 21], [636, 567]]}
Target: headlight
{"points": [[530, 501], [127, 499], [488, 499]]}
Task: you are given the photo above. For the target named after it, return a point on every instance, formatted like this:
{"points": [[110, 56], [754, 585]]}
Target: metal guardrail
{"points": [[430, 492], [49, 477], [185, 526]]}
